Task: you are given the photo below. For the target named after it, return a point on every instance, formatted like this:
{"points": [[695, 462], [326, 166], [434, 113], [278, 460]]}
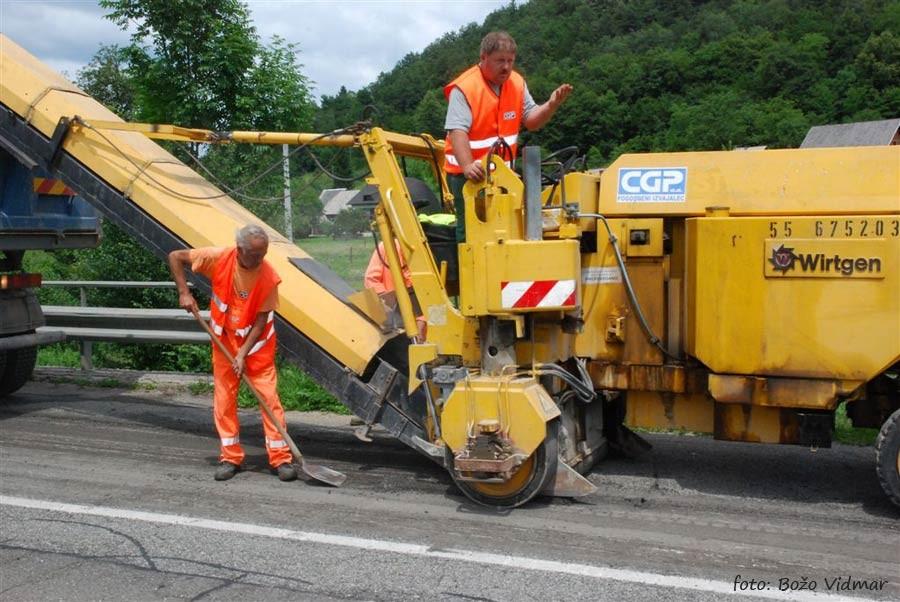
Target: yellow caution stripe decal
{"points": [[51, 186]]}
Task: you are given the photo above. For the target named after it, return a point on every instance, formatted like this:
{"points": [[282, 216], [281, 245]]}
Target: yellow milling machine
{"points": [[739, 293]]}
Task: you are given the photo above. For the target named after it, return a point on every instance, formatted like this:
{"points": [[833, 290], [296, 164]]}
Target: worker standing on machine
{"points": [[487, 104], [244, 298]]}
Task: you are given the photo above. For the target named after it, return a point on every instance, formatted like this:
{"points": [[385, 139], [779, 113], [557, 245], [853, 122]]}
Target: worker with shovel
{"points": [[244, 297]]}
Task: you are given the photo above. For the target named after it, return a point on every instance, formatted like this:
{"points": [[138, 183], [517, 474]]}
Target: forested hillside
{"points": [[666, 74]]}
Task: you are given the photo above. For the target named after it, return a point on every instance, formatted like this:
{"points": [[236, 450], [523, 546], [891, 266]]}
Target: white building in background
{"points": [[335, 200]]}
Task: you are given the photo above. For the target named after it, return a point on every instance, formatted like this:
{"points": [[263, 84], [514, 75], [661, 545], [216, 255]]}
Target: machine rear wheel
{"points": [[19, 364], [531, 477], [887, 457]]}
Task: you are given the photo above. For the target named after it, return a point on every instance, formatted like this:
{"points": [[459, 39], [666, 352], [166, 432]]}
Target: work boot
{"points": [[226, 470], [286, 472]]}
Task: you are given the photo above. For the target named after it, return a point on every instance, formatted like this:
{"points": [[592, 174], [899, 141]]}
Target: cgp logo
{"points": [[652, 185]]}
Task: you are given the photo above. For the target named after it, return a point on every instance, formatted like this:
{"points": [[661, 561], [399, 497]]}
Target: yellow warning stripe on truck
{"points": [[51, 187]]}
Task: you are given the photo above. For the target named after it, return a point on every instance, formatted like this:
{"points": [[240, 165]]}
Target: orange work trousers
{"points": [[261, 372]]}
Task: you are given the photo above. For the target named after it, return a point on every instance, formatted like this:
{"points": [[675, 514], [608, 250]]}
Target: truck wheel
{"points": [[18, 369], [887, 457], [527, 482]]}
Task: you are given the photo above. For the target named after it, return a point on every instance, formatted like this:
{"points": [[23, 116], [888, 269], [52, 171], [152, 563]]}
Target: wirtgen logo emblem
{"points": [[783, 258]]}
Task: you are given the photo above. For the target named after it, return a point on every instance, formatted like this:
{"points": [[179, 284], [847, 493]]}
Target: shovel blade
{"points": [[323, 474], [362, 433]]}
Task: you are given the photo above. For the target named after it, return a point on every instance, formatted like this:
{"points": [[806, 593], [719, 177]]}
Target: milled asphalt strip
{"points": [[514, 562]]}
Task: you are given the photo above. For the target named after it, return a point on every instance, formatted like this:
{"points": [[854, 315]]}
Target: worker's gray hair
{"points": [[244, 235], [497, 40]]}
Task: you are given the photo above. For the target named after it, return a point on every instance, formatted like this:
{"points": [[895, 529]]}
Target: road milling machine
{"points": [[741, 293]]}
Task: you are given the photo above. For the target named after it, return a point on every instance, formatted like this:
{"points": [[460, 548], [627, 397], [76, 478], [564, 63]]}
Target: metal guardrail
{"points": [[118, 324]]}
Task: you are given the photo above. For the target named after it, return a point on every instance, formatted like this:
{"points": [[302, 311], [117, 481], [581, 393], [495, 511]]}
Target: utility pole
{"points": [[288, 218]]}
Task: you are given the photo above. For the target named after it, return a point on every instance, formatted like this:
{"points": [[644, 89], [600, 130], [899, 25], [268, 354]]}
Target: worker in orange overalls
{"points": [[378, 278], [244, 298]]}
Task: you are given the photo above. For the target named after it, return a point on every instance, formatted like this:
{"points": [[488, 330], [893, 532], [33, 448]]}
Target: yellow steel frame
{"points": [[449, 332]]}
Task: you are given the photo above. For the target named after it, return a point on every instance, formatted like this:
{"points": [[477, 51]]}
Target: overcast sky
{"points": [[342, 42]]}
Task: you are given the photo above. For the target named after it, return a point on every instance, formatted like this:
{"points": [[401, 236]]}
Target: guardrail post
{"points": [[87, 347]]}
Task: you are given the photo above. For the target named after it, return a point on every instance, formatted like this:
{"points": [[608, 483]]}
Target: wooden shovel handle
{"points": [[298, 457]]}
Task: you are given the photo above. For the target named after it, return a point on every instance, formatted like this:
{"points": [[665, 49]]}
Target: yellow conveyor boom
{"points": [[179, 199]]}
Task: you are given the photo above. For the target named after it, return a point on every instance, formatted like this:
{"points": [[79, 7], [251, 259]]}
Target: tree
{"points": [[350, 223], [879, 60], [200, 63], [307, 208], [191, 59], [108, 80], [197, 63]]}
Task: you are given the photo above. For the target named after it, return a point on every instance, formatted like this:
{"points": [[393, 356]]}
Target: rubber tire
{"points": [[19, 366], [887, 457], [545, 456]]}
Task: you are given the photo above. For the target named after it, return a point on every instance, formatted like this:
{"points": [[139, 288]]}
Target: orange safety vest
{"points": [[492, 116], [242, 321], [378, 275]]}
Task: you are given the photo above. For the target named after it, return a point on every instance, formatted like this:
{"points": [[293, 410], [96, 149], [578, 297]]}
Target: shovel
{"points": [[320, 473]]}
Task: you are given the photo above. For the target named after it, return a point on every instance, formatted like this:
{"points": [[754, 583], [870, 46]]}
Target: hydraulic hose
{"points": [[613, 239], [584, 390]]}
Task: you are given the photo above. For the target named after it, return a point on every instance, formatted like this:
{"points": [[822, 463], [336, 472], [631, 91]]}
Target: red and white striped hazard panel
{"points": [[51, 186], [523, 294]]}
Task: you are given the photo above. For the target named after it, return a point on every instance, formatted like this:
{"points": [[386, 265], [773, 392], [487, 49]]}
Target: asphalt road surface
{"points": [[107, 494]]}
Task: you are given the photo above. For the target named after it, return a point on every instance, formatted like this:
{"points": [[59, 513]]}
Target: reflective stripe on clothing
{"points": [[275, 443], [262, 341], [223, 307], [489, 142], [226, 441], [452, 161], [217, 328], [243, 332]]}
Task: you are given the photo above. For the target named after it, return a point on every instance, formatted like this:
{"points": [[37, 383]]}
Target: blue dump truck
{"points": [[37, 212]]}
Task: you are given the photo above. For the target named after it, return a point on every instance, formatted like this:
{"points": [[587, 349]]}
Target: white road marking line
{"points": [[514, 562]]}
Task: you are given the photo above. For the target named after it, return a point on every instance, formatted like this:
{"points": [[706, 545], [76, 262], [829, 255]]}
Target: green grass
{"points": [[66, 355], [297, 392], [201, 388], [346, 257], [845, 432], [683, 432]]}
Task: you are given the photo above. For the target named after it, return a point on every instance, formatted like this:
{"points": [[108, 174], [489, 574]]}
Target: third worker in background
{"points": [[378, 278], [486, 103]]}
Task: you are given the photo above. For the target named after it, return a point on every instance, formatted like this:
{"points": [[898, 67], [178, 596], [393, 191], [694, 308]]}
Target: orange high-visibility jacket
{"points": [[492, 116], [378, 275], [243, 311]]}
